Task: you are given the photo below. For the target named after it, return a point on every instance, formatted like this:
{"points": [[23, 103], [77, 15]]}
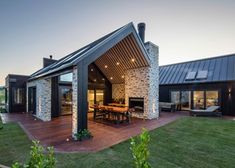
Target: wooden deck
{"points": [[55, 132]]}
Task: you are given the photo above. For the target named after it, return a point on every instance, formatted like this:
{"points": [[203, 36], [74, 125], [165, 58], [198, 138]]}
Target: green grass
{"points": [[187, 142]]}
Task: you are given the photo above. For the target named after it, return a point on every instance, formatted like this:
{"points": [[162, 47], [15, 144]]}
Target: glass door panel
{"points": [[91, 99], [175, 97], [65, 100], [198, 100], [212, 98], [100, 97], [185, 100]]}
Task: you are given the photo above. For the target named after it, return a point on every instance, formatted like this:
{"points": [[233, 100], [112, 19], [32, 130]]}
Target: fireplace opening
{"points": [[137, 103]]}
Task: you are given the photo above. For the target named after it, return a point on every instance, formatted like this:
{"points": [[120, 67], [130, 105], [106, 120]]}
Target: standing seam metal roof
{"points": [[219, 69]]}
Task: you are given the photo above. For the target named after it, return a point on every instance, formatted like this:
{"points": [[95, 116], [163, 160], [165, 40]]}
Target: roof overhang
{"points": [[123, 44]]}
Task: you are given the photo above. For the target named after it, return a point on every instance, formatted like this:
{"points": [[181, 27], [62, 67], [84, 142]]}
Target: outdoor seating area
{"points": [[112, 113]]}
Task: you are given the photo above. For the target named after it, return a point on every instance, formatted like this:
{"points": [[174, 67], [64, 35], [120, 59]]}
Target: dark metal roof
{"points": [[219, 69], [73, 58]]}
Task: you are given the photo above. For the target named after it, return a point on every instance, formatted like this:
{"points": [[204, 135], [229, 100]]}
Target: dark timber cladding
{"points": [[16, 93], [212, 74]]}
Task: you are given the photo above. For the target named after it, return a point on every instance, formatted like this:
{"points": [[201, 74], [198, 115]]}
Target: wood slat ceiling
{"points": [[118, 59]]}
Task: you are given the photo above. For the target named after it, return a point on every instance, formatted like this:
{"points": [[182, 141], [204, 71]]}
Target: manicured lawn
{"points": [[188, 142]]}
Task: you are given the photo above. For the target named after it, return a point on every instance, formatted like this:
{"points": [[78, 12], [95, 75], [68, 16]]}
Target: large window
{"points": [[18, 95], [212, 98], [202, 99]]}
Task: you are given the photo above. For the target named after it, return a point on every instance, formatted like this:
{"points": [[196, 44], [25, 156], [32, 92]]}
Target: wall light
{"points": [[229, 91]]}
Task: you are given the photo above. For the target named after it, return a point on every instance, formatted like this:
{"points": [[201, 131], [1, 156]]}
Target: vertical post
{"points": [[82, 82]]}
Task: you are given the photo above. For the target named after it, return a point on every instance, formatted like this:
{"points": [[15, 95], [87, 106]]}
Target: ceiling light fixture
{"points": [[123, 76], [92, 70], [118, 63], [111, 78], [133, 60]]}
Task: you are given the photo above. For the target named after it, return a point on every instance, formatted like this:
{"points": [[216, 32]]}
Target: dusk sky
{"points": [[183, 29]]}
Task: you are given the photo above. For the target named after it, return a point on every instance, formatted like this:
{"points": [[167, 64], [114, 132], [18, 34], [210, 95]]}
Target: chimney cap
{"points": [[50, 56], [141, 24]]}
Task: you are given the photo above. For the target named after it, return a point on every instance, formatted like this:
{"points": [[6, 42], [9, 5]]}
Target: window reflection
{"points": [[175, 97], [66, 77]]}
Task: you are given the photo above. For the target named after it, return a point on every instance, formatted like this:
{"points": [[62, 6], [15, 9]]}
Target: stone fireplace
{"points": [[143, 84], [137, 104]]}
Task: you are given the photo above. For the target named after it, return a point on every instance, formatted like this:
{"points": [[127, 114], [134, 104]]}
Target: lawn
{"points": [[187, 142]]}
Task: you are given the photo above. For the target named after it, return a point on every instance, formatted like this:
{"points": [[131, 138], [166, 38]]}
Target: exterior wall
{"points": [[75, 91], [15, 82], [144, 83], [225, 99], [118, 91], [43, 96]]}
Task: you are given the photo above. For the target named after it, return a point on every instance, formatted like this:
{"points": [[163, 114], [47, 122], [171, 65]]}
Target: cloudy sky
{"points": [[183, 29]]}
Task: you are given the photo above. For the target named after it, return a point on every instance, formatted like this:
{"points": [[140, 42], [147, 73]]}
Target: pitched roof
{"points": [[216, 69], [73, 58]]}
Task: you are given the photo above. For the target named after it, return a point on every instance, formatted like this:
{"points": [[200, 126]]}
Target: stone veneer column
{"points": [[144, 83], [74, 97], [153, 91], [43, 99]]}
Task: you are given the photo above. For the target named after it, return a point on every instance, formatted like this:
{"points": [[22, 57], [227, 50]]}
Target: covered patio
{"points": [[120, 63], [57, 132]]}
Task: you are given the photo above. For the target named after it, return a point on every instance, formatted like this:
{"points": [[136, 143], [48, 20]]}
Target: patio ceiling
{"points": [[123, 56]]}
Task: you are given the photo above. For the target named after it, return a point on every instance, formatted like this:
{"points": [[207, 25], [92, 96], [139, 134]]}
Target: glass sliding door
{"points": [[198, 100], [99, 97], [175, 97], [95, 97], [65, 97], [185, 100], [212, 98], [91, 99]]}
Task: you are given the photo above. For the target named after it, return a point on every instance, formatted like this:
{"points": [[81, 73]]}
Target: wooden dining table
{"points": [[117, 112]]}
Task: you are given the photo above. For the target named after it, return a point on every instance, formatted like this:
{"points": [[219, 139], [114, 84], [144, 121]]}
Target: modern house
{"points": [[120, 66], [200, 84]]}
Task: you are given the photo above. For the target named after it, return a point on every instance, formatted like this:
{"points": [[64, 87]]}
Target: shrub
{"points": [[83, 134], [140, 151], [39, 158]]}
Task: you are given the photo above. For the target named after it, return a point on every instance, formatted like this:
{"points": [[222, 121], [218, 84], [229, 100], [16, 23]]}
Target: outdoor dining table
{"points": [[116, 111]]}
